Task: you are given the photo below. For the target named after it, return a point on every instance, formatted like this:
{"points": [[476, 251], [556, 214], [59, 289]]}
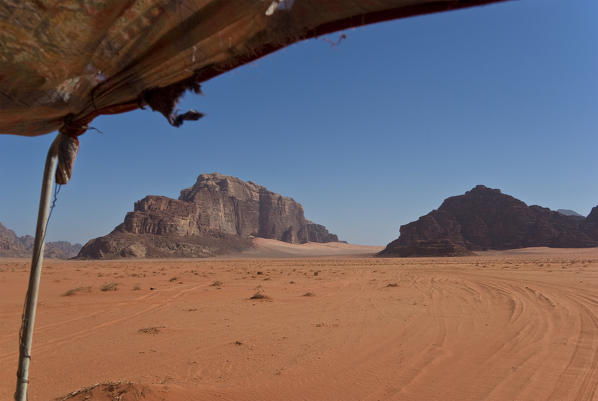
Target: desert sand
{"points": [[269, 248], [518, 325]]}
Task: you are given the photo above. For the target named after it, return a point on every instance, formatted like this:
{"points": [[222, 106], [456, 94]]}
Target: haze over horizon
{"points": [[367, 135]]}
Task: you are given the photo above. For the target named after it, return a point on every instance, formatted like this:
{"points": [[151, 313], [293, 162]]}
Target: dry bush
{"points": [[216, 284], [109, 287], [150, 330], [309, 294], [73, 291], [260, 296]]}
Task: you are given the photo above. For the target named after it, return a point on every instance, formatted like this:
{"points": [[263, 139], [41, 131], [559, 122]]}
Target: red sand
{"points": [[517, 325]]}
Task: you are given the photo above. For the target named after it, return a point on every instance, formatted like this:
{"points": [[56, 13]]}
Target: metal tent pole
{"points": [[26, 334]]}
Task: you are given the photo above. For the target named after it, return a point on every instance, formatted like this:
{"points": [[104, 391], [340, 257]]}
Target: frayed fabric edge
{"points": [[165, 100]]}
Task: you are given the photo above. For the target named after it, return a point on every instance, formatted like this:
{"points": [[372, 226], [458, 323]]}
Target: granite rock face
{"points": [[484, 219], [217, 215], [14, 246]]}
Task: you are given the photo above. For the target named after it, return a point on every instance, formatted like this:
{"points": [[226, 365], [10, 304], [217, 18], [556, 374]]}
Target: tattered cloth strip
{"points": [[102, 56], [165, 100], [68, 147]]}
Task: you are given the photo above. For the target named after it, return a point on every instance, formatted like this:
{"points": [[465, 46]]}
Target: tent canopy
{"points": [[64, 62]]}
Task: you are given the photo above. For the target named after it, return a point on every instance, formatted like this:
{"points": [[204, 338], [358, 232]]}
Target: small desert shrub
{"points": [[216, 284], [73, 291], [309, 294], [173, 279], [150, 330], [109, 287], [136, 288], [260, 296]]}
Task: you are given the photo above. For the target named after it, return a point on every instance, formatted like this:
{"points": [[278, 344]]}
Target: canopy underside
{"points": [[64, 62]]}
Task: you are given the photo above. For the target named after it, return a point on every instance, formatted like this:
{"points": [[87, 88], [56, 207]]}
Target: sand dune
{"points": [[492, 327], [270, 248]]}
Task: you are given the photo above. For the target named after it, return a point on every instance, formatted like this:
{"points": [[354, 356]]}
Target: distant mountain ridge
{"points": [[569, 212], [11, 245], [484, 219], [219, 214]]}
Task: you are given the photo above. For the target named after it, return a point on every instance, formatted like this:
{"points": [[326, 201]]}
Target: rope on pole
{"points": [[26, 333]]}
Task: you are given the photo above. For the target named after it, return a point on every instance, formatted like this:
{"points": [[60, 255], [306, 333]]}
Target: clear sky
{"points": [[367, 135]]}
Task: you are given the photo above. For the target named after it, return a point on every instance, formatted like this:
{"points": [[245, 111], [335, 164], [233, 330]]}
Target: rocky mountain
{"points": [[569, 212], [217, 215], [14, 246], [485, 218]]}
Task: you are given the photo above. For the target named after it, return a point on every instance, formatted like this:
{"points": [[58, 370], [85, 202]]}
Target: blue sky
{"points": [[367, 135]]}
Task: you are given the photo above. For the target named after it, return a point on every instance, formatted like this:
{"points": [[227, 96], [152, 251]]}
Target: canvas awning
{"points": [[68, 61]]}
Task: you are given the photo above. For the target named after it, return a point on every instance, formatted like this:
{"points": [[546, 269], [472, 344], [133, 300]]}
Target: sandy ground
{"points": [[519, 325], [269, 248]]}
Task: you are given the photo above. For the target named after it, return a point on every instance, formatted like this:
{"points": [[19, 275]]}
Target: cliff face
{"points": [[483, 219], [10, 244], [14, 246], [217, 215]]}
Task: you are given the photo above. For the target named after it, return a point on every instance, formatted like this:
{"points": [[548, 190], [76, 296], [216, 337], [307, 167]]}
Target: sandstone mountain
{"points": [[14, 246], [219, 214], [484, 219]]}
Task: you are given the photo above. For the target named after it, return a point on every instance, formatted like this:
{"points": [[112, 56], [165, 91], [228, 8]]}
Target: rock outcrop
{"points": [[217, 215], [484, 219], [14, 246]]}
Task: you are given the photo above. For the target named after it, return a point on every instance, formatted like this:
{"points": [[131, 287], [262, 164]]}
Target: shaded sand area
{"points": [[500, 326]]}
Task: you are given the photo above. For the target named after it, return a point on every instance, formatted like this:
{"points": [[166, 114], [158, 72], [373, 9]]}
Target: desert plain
{"points": [[284, 323]]}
